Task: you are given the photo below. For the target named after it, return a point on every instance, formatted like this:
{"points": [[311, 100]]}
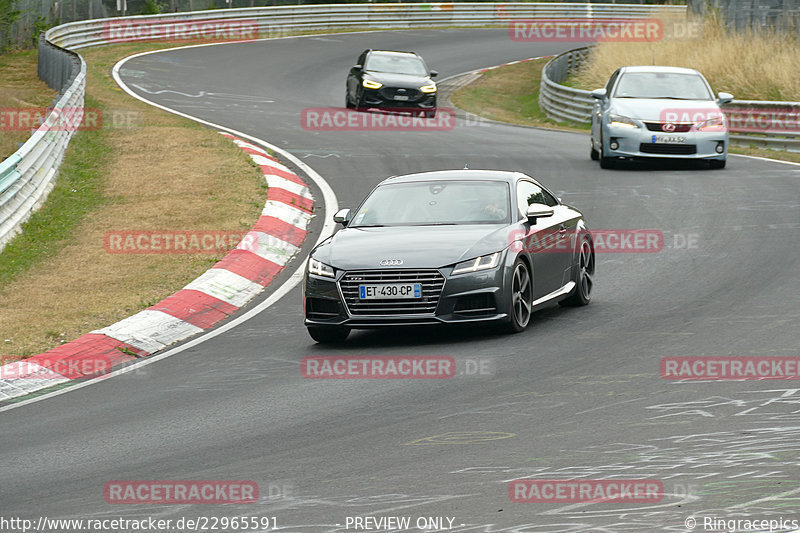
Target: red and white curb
{"points": [[219, 292]]}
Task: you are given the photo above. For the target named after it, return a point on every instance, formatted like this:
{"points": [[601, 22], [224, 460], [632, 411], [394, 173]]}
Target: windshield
{"points": [[662, 85], [396, 64], [424, 203]]}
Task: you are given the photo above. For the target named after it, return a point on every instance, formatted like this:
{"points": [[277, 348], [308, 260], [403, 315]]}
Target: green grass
{"points": [[78, 191], [510, 94]]}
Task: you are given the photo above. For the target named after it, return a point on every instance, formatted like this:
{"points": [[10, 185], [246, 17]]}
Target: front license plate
{"points": [[395, 291], [669, 139], [401, 97]]}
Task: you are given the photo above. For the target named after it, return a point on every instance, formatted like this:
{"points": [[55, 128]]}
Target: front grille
{"points": [[668, 149], [431, 280], [659, 126], [388, 93]]}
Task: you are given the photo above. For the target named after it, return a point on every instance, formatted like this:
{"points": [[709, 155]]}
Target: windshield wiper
{"points": [[369, 226], [435, 224]]}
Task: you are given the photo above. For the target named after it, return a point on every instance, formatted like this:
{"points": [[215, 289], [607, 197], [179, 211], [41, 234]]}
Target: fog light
{"points": [[720, 147], [613, 145]]}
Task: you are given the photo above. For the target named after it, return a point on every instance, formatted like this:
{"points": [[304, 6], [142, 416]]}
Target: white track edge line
{"points": [[329, 201]]}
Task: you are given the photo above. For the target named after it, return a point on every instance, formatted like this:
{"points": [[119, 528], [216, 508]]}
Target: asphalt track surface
{"points": [[577, 395]]}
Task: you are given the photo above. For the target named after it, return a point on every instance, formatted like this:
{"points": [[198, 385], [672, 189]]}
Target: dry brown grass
{"points": [[750, 66], [20, 87], [166, 173]]}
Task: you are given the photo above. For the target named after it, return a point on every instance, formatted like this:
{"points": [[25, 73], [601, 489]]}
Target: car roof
{"points": [[656, 68], [460, 175], [393, 53]]}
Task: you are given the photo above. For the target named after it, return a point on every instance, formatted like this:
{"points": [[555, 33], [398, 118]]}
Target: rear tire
{"points": [[328, 334], [521, 297], [583, 277]]}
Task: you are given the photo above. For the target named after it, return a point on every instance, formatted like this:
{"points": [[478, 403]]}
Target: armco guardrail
{"points": [[282, 19], [766, 124], [27, 176], [560, 102]]}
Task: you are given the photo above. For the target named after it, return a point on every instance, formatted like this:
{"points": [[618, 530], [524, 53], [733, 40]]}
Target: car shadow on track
{"points": [[660, 164], [441, 334]]}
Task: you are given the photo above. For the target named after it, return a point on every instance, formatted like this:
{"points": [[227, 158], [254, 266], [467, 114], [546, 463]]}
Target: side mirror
{"points": [[724, 98], [434, 73], [357, 67], [536, 211], [600, 94], [342, 217]]}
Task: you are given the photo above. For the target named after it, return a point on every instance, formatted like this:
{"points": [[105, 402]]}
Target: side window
{"points": [[611, 81], [530, 193], [549, 199]]}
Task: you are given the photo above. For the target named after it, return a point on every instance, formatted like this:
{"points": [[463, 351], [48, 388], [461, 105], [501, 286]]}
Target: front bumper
{"points": [[638, 142], [465, 298], [386, 98]]}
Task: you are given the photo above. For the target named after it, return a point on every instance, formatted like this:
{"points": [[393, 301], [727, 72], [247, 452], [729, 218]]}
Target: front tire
{"points": [[594, 154], [521, 297], [347, 103], [328, 334], [583, 277], [605, 162], [717, 163]]}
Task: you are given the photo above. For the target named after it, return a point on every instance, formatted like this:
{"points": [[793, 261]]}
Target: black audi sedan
{"points": [[452, 246], [391, 81]]}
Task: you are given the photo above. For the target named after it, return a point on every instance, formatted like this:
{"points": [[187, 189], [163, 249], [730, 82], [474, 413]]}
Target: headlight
{"points": [[620, 121], [483, 262], [712, 124], [319, 268], [369, 84], [428, 88]]}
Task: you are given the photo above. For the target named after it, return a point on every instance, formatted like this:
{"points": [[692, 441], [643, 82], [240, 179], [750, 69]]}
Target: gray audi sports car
{"points": [[453, 246]]}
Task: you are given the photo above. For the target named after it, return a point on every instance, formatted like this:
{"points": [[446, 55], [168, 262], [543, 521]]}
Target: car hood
{"points": [[399, 80], [416, 246], [665, 110]]}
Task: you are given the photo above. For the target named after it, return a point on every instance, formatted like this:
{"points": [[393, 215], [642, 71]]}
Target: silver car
{"points": [[666, 112]]}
